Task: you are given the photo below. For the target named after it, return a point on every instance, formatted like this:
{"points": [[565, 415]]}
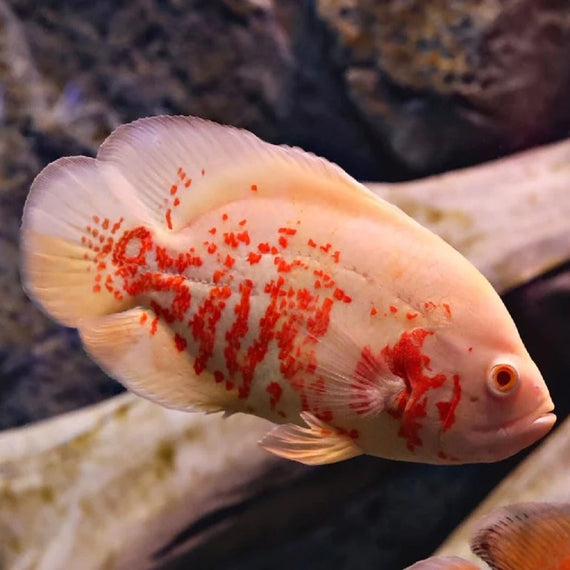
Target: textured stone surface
{"points": [[449, 80]]}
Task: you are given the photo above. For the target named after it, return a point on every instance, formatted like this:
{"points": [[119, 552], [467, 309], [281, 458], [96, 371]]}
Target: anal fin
{"points": [[316, 444], [140, 351]]}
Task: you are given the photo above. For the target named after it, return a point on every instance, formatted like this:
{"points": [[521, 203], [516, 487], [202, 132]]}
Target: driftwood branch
{"points": [[510, 218], [127, 484]]}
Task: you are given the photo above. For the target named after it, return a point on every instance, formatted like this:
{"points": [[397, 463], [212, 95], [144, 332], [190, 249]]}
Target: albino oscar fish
{"points": [[527, 536], [208, 270]]}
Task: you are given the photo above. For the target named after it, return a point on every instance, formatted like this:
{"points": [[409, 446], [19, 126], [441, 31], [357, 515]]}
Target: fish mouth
{"points": [[535, 428], [504, 440], [520, 433]]}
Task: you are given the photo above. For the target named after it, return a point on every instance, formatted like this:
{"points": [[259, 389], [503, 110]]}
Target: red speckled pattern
{"points": [[129, 262]]}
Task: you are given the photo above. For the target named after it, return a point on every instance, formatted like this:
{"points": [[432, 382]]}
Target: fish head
{"points": [[502, 403]]}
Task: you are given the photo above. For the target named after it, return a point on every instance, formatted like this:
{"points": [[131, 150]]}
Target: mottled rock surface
{"points": [[448, 81]]}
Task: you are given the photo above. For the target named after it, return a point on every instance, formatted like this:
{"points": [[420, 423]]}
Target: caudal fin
{"points": [[74, 214]]}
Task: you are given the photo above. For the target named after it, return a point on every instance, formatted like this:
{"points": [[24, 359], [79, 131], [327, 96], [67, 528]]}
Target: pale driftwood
{"points": [[543, 476], [109, 486], [510, 218], [77, 498]]}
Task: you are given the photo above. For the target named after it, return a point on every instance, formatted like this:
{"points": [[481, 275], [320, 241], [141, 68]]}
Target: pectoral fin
{"points": [[356, 379], [316, 444]]}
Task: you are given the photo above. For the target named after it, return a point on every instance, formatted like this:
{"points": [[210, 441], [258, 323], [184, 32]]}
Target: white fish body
{"points": [[208, 270]]}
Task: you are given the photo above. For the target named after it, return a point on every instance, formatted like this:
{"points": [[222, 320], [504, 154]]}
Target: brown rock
{"points": [[447, 81]]}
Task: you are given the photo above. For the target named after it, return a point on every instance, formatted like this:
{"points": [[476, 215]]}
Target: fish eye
{"points": [[503, 379]]}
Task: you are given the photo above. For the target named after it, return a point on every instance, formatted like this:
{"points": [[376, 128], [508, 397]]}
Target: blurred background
{"points": [[391, 90]]}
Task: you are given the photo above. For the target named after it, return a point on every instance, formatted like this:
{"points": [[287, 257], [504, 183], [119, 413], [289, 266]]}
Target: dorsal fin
{"points": [[212, 164]]}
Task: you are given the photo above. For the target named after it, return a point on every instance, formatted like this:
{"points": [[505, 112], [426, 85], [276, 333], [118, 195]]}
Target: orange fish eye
{"points": [[503, 379]]}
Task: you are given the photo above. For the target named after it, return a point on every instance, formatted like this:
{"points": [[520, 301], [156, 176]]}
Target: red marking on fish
{"points": [[283, 266], [173, 189], [120, 256], [275, 391], [117, 226], [373, 311], [168, 217], [447, 309], [253, 187], [319, 323], [336, 256], [230, 239], [224, 217], [253, 257], [243, 237], [180, 342], [234, 337], [411, 315], [176, 202], [393, 309], [203, 325], [312, 243], [288, 312], [406, 360], [188, 183]]}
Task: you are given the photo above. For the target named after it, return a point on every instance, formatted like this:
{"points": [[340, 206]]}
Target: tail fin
{"points": [[72, 216]]}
